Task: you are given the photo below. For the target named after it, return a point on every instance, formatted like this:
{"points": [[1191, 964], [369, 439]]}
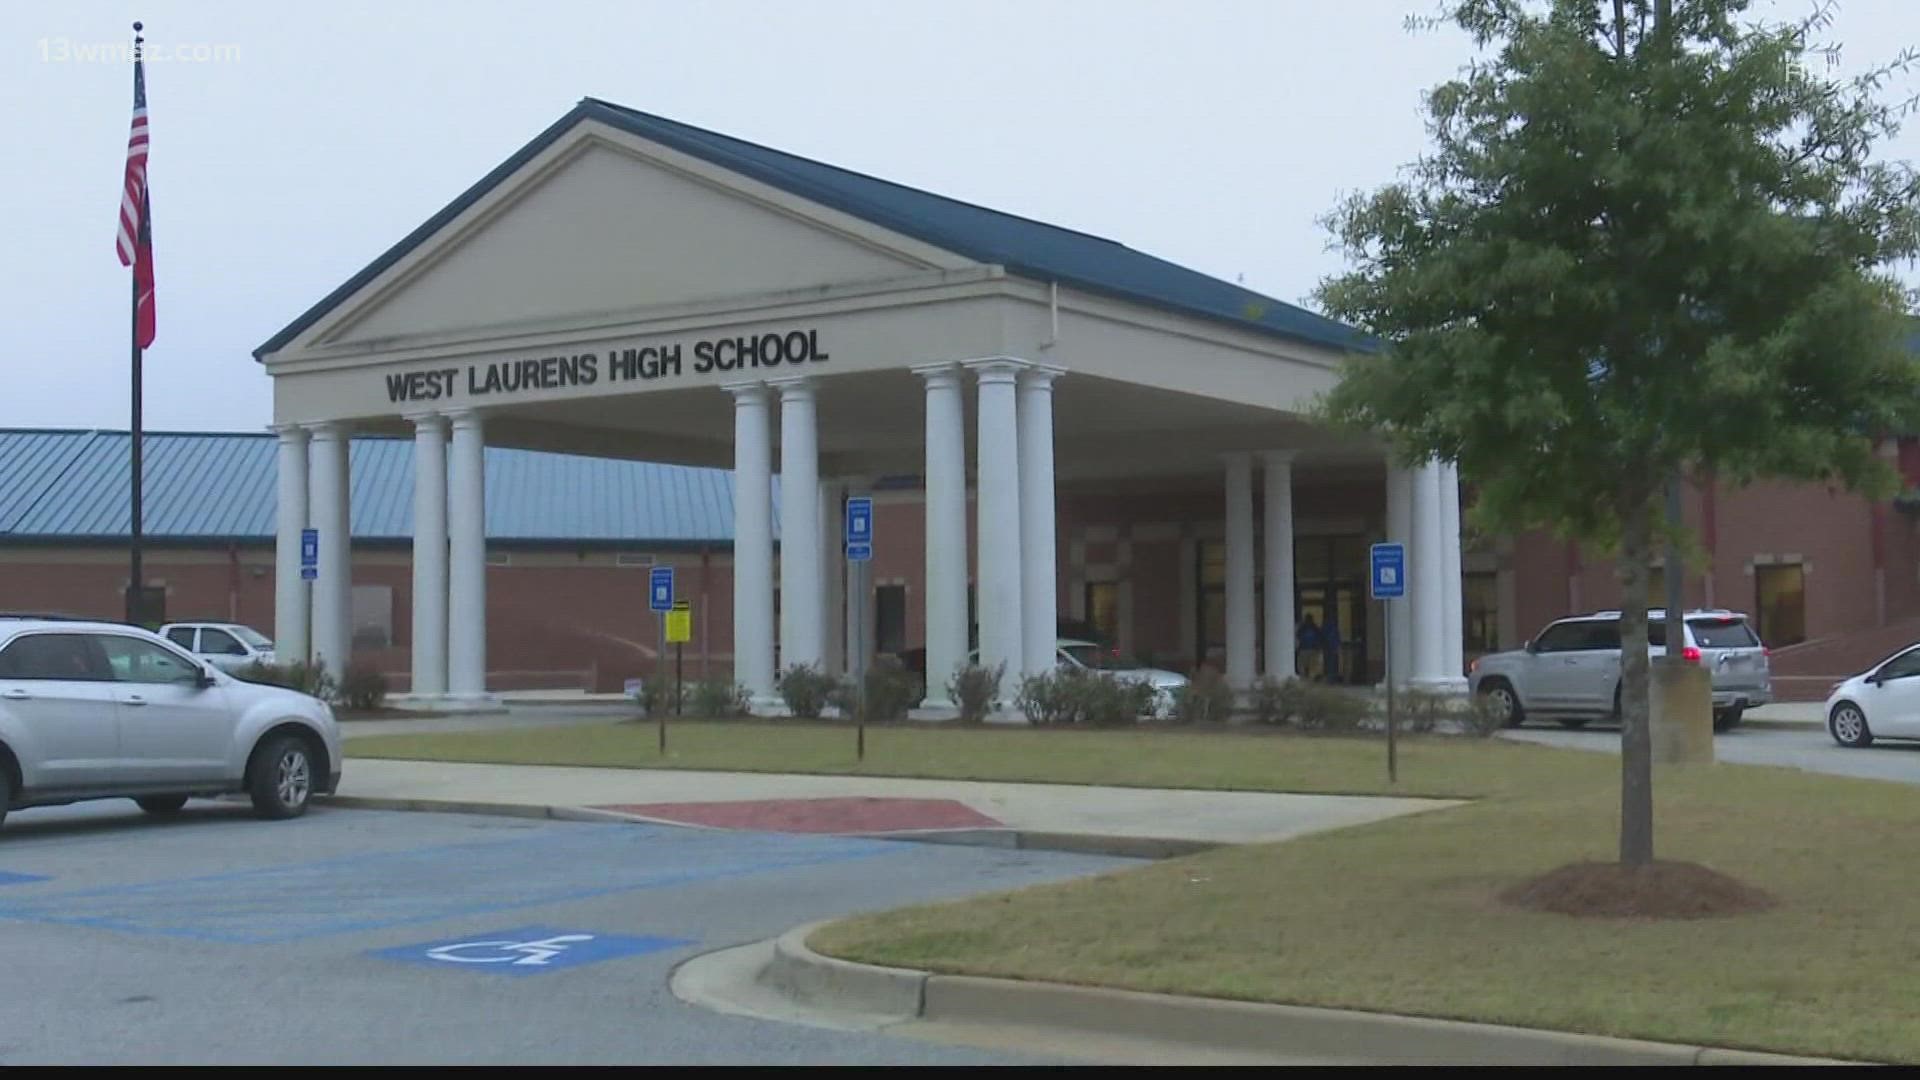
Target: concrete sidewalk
{"points": [[780, 802]]}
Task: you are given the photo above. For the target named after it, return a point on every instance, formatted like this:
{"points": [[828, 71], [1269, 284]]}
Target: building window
{"points": [[1480, 595], [1103, 610], [1780, 603], [890, 619], [372, 616]]}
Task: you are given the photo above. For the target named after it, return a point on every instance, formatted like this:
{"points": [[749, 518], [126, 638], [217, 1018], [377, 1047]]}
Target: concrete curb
{"points": [[1284, 1031], [1126, 847]]}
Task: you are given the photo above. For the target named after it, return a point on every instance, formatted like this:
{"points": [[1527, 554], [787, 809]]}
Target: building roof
{"points": [[73, 486], [1027, 248]]}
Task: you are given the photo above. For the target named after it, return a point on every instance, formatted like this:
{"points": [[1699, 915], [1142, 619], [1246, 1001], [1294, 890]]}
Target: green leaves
{"points": [[1612, 265]]}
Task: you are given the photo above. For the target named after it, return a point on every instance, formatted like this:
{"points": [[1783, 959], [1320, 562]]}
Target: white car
{"points": [[1880, 702], [1088, 656], [93, 710], [231, 647]]}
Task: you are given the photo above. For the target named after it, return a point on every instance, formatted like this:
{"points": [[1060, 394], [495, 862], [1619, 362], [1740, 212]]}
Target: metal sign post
{"points": [[1388, 583], [679, 632], [859, 543], [660, 602]]}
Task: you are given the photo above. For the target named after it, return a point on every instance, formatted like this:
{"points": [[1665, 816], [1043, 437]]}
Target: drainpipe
{"points": [[706, 624], [233, 582]]}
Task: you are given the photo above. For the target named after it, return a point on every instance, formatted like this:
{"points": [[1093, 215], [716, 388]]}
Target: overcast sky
{"points": [[309, 138]]}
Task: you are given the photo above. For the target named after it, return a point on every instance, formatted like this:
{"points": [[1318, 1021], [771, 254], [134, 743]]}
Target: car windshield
{"points": [[252, 637], [1093, 656]]}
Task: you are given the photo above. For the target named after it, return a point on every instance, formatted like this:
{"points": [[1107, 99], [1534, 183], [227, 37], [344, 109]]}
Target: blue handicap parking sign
{"points": [[859, 533], [527, 950], [309, 547], [1389, 571], [660, 589]]}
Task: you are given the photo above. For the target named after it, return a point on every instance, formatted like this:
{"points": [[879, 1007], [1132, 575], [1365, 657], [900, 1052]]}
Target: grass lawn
{"points": [[1264, 761], [1398, 916]]}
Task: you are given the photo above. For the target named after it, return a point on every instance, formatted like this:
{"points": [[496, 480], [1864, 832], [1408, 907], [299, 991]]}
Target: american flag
{"points": [[135, 243]]}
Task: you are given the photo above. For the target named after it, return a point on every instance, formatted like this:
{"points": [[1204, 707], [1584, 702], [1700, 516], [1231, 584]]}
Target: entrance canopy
{"points": [[627, 286], [593, 291]]}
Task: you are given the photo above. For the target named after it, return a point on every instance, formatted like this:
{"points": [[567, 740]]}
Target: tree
{"points": [[1649, 238]]}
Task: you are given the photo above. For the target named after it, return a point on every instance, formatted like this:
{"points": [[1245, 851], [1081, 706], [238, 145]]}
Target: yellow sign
{"points": [[680, 623]]}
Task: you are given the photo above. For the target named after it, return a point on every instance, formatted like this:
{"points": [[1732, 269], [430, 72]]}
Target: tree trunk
{"points": [[1636, 743]]}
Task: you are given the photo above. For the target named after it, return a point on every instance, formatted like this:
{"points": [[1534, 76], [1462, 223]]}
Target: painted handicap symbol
{"points": [[526, 950], [525, 953]]}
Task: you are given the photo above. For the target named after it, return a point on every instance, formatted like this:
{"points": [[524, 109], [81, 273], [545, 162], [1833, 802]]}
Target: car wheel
{"points": [[1503, 703], [161, 804], [280, 779], [1848, 725], [1574, 722], [1728, 719], [6, 793]]}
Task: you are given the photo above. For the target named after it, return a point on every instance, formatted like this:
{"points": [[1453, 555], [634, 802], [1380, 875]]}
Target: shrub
{"points": [[805, 689], [720, 699], [311, 679], [1112, 702], [975, 690], [1206, 699], [1042, 699], [892, 690], [1418, 711], [1276, 701], [361, 687], [1319, 707], [657, 696]]}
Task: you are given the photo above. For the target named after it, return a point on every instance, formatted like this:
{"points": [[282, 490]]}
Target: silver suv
{"points": [[100, 710], [1571, 671]]}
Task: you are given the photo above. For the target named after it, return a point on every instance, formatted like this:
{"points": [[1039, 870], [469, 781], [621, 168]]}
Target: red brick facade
{"points": [[561, 617]]}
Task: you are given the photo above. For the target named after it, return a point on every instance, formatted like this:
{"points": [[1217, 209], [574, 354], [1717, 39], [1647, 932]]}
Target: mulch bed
{"points": [[1657, 890]]}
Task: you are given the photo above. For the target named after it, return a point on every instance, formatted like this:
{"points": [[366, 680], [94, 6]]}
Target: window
{"points": [[890, 618], [219, 643], [69, 657], [1103, 610], [181, 636], [1481, 607], [253, 637], [136, 661], [1905, 665], [1722, 633], [372, 616], [1578, 636], [1781, 591]]}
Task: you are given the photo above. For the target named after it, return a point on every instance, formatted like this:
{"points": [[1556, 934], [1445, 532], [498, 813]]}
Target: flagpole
{"points": [[136, 591]]}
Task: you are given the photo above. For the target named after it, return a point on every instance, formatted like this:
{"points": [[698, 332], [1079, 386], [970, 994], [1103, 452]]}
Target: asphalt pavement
{"points": [[1793, 746], [372, 937]]}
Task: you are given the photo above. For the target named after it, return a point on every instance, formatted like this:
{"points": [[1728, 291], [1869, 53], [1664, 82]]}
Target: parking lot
{"points": [[355, 936]]}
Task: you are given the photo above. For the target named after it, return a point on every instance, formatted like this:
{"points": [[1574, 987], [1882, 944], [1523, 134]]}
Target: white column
{"points": [[997, 581], [467, 559], [1453, 630], [327, 489], [1426, 554], [1239, 570], [946, 539], [752, 543], [800, 594], [1277, 537], [1400, 612], [429, 556], [290, 614], [1039, 550], [834, 656]]}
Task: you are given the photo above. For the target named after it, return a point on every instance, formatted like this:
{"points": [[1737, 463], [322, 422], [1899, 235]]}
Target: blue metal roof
{"points": [[73, 485], [1028, 248]]}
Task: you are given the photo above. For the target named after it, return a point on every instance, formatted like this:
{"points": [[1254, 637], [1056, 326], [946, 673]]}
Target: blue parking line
{"points": [[347, 894]]}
